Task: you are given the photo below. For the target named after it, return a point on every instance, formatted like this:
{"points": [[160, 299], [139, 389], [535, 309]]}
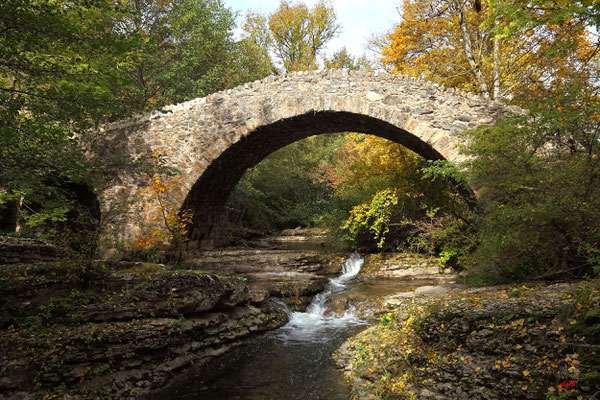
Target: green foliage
{"points": [[186, 51], [61, 74], [282, 191], [375, 216], [249, 62], [362, 188], [447, 256], [387, 197], [69, 66], [444, 169], [515, 15], [538, 176], [341, 59]]}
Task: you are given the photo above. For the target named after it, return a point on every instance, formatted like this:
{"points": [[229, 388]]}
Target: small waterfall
{"points": [[312, 325]]}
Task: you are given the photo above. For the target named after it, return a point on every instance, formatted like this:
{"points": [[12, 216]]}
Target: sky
{"points": [[359, 19]]}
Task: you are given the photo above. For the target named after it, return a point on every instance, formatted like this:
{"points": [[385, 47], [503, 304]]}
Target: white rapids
{"points": [[312, 325]]}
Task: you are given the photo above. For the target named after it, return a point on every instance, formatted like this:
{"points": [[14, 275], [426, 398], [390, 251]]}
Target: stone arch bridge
{"points": [[213, 140]]}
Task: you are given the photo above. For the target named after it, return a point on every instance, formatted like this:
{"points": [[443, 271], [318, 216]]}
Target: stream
{"points": [[293, 362]]}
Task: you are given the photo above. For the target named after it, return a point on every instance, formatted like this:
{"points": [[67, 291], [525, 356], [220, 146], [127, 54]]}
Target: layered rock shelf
{"points": [[126, 336], [293, 276], [15, 250], [526, 341], [134, 328]]}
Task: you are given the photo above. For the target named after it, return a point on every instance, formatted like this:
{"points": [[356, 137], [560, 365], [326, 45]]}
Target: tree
{"points": [[249, 62], [186, 50], [343, 59], [283, 191], [294, 33], [446, 41], [539, 180], [518, 16], [383, 192], [170, 225], [62, 72]]}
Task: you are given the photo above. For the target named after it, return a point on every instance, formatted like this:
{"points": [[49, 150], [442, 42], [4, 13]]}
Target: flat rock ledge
{"points": [[400, 265], [293, 276], [22, 250], [125, 337], [526, 341]]}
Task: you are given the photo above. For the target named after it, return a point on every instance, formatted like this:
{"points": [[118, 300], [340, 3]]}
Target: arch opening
{"points": [[209, 194]]}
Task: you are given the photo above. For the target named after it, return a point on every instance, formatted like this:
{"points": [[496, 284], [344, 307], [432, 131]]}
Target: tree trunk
{"points": [[468, 47], [496, 90]]}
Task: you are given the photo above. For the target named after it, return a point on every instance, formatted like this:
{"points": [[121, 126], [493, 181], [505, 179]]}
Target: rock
{"points": [[136, 331], [258, 295], [111, 254], [247, 261], [336, 306], [476, 344], [21, 250], [293, 276], [374, 96]]}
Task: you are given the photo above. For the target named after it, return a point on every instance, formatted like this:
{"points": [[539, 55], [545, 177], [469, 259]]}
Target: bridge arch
{"points": [[210, 192], [213, 140]]}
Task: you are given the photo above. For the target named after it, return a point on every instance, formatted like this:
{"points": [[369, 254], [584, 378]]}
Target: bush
{"points": [[539, 187]]}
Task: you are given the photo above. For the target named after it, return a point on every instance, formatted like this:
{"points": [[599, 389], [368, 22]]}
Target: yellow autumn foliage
{"points": [[169, 224], [447, 42]]}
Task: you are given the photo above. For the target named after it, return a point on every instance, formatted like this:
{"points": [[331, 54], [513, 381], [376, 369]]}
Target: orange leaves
{"points": [[168, 223], [506, 363], [145, 242], [572, 361], [160, 185], [429, 44]]}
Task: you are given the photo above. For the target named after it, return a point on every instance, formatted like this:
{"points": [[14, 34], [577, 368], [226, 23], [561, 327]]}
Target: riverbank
{"points": [[527, 341], [294, 362], [124, 336], [136, 327], [139, 330]]}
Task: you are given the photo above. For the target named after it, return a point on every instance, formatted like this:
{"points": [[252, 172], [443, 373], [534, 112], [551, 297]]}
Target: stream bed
{"points": [[294, 362]]}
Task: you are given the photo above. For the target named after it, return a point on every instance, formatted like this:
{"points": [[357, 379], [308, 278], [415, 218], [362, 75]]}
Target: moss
{"points": [[443, 345]]}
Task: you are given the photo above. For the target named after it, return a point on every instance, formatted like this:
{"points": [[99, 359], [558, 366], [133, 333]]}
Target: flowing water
{"points": [[294, 362]]}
